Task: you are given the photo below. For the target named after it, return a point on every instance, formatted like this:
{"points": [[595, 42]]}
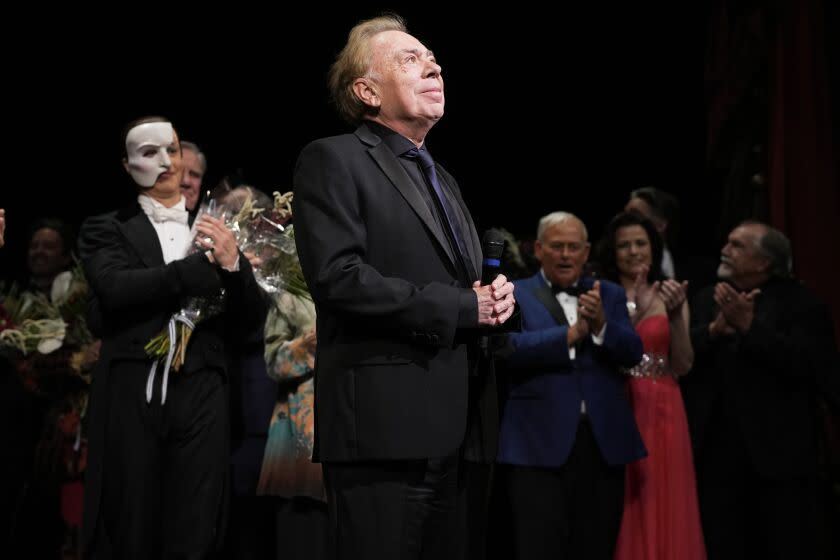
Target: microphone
{"points": [[492, 247]]}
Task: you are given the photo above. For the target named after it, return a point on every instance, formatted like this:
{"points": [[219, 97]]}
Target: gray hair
{"points": [[191, 146], [774, 245], [558, 218], [354, 61]]}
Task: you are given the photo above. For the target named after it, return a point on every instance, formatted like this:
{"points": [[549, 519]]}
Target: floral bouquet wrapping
{"points": [[272, 241], [257, 223], [169, 347]]}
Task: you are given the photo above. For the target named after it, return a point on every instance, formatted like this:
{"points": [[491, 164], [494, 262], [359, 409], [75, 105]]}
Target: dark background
{"points": [[561, 109]]}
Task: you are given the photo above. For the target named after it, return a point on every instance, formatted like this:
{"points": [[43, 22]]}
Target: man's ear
{"points": [[764, 265], [366, 92]]}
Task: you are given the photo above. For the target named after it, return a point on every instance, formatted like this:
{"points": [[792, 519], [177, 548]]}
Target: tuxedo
{"points": [[155, 483], [751, 405], [543, 404], [396, 322], [551, 449]]}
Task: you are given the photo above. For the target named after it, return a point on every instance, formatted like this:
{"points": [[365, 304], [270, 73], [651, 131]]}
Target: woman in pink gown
{"points": [[661, 520]]}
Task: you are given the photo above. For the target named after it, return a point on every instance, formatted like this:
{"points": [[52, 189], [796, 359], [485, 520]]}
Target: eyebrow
{"points": [[428, 53]]}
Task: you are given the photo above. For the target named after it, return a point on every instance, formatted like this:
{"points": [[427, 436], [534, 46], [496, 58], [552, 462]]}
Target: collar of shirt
{"points": [[561, 296], [159, 213], [173, 234], [396, 142]]}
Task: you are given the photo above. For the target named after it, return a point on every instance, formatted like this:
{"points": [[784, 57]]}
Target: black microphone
{"points": [[492, 247]]}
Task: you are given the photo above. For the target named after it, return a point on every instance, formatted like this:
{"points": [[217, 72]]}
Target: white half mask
{"points": [[143, 140]]}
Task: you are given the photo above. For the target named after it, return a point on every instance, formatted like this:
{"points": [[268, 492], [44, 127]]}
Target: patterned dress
{"points": [[287, 468]]}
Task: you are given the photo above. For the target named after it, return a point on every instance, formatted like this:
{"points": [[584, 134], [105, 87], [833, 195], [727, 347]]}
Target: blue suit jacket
{"points": [[542, 408]]}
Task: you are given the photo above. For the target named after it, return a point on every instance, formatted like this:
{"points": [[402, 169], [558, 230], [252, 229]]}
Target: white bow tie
{"points": [[161, 215]]}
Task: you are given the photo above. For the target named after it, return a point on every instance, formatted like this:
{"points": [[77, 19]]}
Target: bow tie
{"points": [[574, 291], [161, 215]]}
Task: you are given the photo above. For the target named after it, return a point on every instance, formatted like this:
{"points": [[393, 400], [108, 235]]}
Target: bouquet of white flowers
{"points": [[32, 322]]}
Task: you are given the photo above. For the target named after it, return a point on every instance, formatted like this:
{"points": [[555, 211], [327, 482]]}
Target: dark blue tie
{"points": [[452, 225]]}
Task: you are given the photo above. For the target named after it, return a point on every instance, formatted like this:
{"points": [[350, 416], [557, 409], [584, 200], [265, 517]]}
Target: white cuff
{"points": [[235, 266], [598, 339]]}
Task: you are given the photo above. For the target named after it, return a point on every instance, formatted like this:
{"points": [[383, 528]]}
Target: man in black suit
{"points": [[391, 257], [763, 349], [158, 464]]}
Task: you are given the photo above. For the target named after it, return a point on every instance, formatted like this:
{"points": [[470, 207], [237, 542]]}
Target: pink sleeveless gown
{"points": [[661, 520]]}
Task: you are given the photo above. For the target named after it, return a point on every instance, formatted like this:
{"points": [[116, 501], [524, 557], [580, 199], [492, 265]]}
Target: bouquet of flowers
{"points": [[169, 347], [257, 223], [29, 322], [69, 294], [272, 240]]}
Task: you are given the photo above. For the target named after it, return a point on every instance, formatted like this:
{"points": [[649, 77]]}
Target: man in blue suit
{"points": [[567, 428]]}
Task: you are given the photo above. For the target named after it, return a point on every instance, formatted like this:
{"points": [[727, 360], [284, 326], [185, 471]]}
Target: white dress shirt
{"points": [[171, 225], [570, 309]]}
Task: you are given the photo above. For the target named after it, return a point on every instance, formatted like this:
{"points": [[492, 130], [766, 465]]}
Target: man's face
{"points": [[407, 79], [46, 256], [154, 156], [563, 251], [191, 179], [741, 261]]}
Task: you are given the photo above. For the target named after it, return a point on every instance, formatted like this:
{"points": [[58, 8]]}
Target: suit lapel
{"points": [[141, 234], [387, 161], [543, 293]]}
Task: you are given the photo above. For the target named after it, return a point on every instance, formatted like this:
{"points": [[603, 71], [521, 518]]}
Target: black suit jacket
{"points": [[395, 325], [767, 379], [134, 295]]}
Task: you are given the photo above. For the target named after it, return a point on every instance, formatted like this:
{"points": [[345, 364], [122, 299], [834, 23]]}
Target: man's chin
{"points": [[564, 280], [724, 272], [434, 112], [164, 188]]}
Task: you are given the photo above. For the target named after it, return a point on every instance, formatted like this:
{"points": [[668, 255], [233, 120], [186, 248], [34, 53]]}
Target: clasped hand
{"points": [[495, 301]]}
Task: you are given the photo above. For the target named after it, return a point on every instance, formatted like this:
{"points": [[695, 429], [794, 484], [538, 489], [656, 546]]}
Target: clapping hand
{"points": [[215, 237], [738, 308], [673, 295], [591, 309], [645, 292], [255, 261]]}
